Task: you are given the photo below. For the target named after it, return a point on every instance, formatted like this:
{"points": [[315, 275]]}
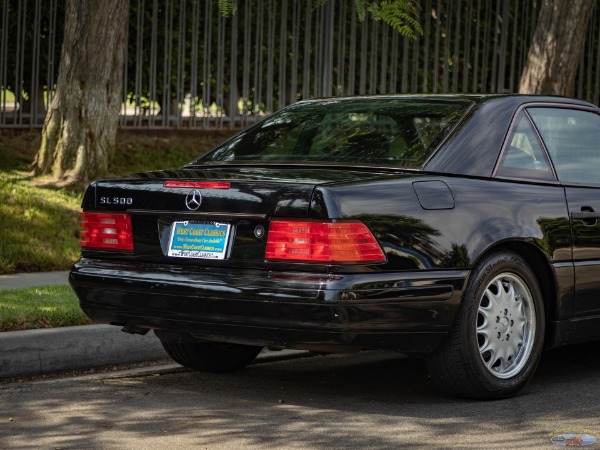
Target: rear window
{"points": [[389, 132]]}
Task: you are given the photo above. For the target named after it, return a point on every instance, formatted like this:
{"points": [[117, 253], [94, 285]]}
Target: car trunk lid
{"points": [[220, 214]]}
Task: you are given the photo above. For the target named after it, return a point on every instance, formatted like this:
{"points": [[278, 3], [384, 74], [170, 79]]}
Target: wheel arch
{"points": [[537, 260]]}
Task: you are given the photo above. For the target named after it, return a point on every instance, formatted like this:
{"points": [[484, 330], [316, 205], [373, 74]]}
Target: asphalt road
{"points": [[363, 401]]}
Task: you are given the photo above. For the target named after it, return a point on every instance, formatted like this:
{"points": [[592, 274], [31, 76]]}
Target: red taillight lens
{"points": [[106, 231], [330, 242]]}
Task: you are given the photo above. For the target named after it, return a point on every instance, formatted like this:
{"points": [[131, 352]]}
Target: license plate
{"points": [[199, 240]]}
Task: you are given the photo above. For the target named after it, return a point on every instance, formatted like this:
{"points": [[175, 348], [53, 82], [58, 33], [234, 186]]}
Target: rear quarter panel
{"points": [[486, 213]]}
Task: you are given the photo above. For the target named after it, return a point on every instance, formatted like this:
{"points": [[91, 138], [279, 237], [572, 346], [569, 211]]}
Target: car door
{"points": [[572, 138]]}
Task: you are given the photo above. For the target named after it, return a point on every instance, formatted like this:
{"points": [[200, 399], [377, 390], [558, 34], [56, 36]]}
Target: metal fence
{"points": [[188, 67]]}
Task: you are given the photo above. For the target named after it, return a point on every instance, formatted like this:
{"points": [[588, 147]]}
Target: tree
{"points": [[556, 47], [80, 128]]}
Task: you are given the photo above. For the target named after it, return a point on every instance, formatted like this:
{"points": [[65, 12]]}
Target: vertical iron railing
{"points": [[188, 67]]}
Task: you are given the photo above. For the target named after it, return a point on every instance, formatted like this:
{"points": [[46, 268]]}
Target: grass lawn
{"points": [[40, 307], [39, 227]]}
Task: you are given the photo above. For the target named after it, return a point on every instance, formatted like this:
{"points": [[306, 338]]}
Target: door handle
{"points": [[587, 215], [584, 215]]}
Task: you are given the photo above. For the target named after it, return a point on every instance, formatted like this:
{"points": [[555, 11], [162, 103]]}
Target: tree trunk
{"points": [[556, 48], [80, 128]]}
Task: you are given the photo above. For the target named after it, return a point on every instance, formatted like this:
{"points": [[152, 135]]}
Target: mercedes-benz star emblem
{"points": [[193, 200]]}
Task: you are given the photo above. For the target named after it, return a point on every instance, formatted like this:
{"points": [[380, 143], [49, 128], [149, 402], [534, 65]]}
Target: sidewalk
{"points": [[36, 352], [26, 280]]}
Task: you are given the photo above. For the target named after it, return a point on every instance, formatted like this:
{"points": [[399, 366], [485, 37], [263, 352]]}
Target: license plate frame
{"points": [[199, 240]]}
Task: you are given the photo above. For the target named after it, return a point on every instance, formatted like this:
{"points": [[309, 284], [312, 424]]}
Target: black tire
{"points": [[216, 357], [501, 313]]}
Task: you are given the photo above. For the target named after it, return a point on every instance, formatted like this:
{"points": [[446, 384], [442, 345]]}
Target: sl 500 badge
{"points": [[116, 201]]}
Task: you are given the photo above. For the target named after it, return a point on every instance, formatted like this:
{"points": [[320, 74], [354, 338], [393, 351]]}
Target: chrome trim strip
{"points": [[145, 212]]}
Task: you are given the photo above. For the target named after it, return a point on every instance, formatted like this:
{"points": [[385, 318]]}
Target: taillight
{"points": [[329, 242], [106, 231]]}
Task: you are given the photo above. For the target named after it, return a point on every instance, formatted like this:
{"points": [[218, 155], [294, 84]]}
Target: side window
{"points": [[523, 156], [572, 138]]}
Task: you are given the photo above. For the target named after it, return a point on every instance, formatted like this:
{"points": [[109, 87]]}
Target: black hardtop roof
{"points": [[514, 99]]}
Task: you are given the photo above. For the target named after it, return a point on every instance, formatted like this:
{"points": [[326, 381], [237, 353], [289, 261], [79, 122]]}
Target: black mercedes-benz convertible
{"points": [[460, 228]]}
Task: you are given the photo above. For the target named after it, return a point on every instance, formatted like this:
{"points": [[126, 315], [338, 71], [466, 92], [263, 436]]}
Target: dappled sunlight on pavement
{"points": [[367, 400]]}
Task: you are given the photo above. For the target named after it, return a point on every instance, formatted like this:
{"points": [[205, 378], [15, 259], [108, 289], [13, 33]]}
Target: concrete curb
{"points": [[35, 352], [43, 351]]}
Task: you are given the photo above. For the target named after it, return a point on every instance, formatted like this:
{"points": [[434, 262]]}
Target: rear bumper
{"points": [[407, 311]]}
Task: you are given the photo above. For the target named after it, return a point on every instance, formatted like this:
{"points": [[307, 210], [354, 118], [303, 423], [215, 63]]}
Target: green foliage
{"points": [[227, 8], [361, 9], [400, 15], [40, 227], [40, 307]]}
